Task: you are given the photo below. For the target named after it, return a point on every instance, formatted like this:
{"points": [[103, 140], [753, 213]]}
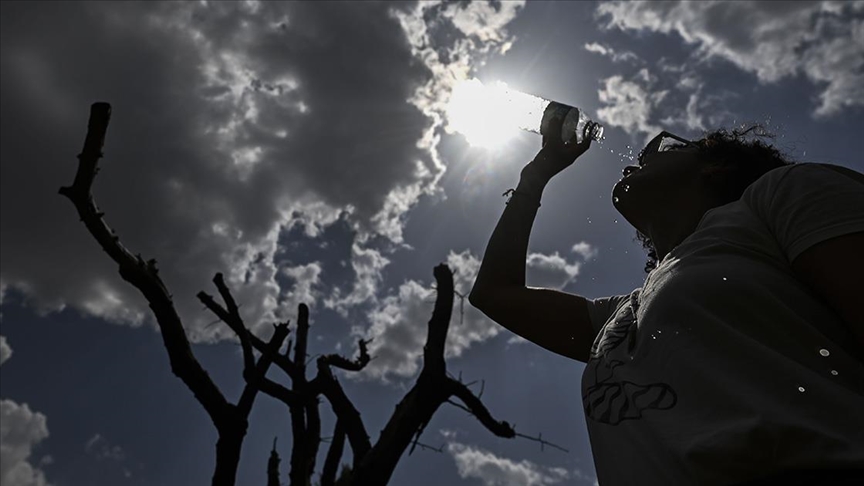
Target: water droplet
{"points": [[724, 279], [659, 331], [834, 372], [801, 389], [615, 199], [626, 187], [824, 352], [616, 221], [589, 220]]}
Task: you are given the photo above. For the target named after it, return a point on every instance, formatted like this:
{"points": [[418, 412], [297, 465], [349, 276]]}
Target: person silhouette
{"points": [[740, 360]]}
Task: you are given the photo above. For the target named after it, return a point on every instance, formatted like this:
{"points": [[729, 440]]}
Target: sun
{"points": [[490, 116]]}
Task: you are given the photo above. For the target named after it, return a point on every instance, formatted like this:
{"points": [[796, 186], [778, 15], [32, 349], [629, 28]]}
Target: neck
{"points": [[669, 230]]}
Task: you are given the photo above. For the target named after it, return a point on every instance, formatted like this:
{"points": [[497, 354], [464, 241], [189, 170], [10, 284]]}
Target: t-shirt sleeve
{"points": [[601, 309], [805, 204]]}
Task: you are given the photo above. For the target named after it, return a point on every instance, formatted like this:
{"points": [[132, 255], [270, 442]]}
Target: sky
{"points": [[309, 151]]}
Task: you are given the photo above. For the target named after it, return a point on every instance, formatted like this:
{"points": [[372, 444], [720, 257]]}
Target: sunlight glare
{"points": [[489, 116]]}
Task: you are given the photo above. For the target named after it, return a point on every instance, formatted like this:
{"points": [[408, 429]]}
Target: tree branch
{"points": [[358, 364], [236, 323], [439, 324], [279, 392], [279, 360], [142, 275], [334, 455], [302, 340], [325, 383], [255, 375], [476, 408]]}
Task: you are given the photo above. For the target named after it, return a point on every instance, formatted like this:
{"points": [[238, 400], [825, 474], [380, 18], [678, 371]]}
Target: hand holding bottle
{"points": [[556, 155]]}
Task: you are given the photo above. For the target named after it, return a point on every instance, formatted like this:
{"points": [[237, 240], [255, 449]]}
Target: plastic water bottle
{"points": [[498, 108], [533, 113], [574, 122]]}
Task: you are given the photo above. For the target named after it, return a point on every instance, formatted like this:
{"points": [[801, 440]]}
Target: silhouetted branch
{"points": [[358, 364], [541, 441], [439, 324], [235, 322], [424, 446], [302, 337], [273, 467], [334, 454], [255, 375], [325, 383], [280, 360], [143, 275], [476, 408]]}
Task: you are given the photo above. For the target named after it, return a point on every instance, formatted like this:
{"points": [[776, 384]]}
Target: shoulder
{"points": [[806, 172]]}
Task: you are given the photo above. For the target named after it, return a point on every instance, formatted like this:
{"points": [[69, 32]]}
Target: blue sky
{"points": [[305, 150]]}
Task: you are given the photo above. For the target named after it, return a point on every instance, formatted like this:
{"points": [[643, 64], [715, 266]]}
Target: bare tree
{"points": [[230, 420], [373, 464]]}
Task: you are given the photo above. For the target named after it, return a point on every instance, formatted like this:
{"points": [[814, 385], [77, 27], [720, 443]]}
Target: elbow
{"points": [[476, 298]]}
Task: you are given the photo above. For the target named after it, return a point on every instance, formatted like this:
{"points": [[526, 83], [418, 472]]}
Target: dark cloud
{"points": [[310, 100]]}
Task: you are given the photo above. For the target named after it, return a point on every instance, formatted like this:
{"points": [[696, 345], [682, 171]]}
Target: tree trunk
{"points": [[228, 454]]}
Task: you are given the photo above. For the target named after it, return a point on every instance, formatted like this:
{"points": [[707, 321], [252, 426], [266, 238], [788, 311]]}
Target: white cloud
{"points": [[450, 59], [5, 350], [585, 250], [20, 430], [307, 279], [99, 447], [616, 56], [822, 40], [551, 271], [493, 470], [629, 104], [399, 322], [368, 264]]}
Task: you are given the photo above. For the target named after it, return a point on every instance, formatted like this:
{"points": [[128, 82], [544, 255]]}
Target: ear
{"points": [[716, 179]]}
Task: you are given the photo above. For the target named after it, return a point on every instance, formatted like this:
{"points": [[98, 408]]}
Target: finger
{"points": [[554, 132]]}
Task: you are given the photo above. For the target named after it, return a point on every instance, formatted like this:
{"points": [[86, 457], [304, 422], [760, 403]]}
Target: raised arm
{"points": [[555, 320]]}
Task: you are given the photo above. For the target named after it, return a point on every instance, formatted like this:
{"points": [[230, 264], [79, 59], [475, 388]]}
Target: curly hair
{"points": [[741, 149]]}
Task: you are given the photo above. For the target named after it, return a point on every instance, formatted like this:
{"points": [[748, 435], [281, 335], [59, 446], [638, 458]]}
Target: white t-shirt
{"points": [[723, 367]]}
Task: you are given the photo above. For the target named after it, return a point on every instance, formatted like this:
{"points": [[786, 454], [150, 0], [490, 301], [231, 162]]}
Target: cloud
{"points": [[451, 40], [229, 131], [616, 56], [368, 264], [493, 470], [821, 40], [5, 350], [399, 322], [21, 429], [226, 133], [101, 449], [551, 271], [307, 279], [629, 103]]}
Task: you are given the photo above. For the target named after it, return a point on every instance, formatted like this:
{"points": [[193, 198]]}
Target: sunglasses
{"points": [[662, 142]]}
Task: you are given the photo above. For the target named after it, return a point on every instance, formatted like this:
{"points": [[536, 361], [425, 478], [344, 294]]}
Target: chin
{"points": [[625, 204]]}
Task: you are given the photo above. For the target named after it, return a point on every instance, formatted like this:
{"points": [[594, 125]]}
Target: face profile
{"points": [[662, 185]]}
